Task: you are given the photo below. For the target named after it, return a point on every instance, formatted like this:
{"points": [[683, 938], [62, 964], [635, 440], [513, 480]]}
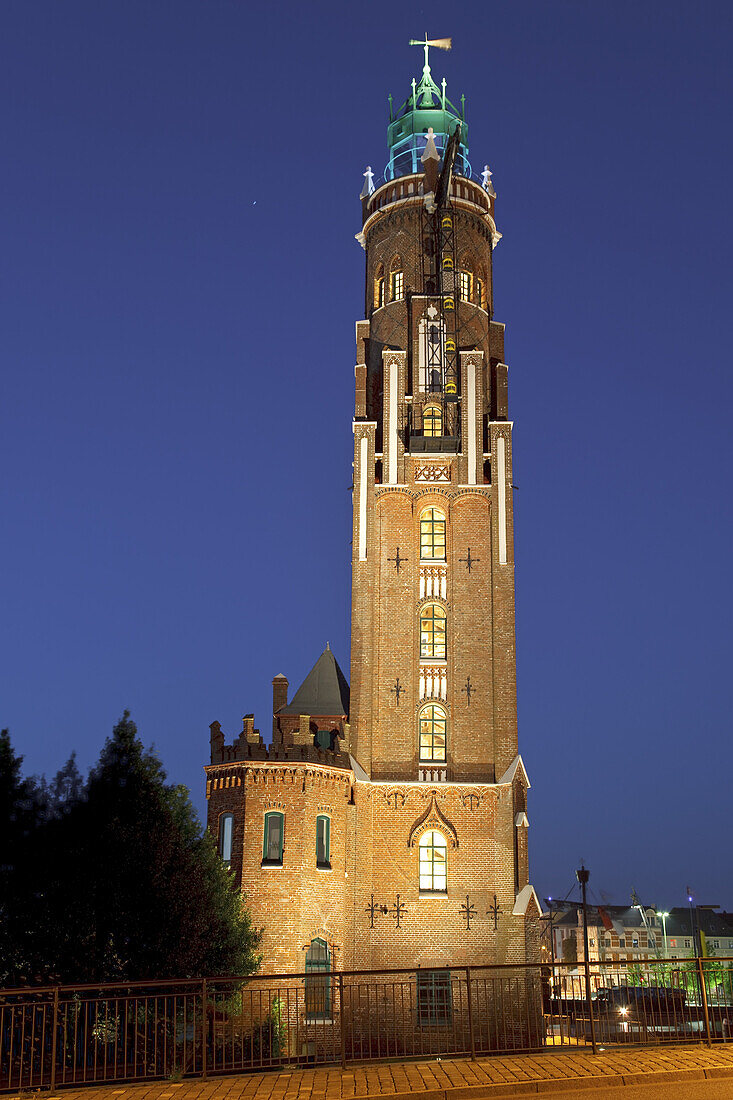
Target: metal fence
{"points": [[72, 1035]]}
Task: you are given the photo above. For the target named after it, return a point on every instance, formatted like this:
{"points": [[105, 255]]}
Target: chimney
{"points": [[279, 699], [217, 743]]}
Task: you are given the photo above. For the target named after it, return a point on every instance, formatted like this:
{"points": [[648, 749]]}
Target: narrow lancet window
{"points": [[432, 734], [432, 535], [433, 632]]}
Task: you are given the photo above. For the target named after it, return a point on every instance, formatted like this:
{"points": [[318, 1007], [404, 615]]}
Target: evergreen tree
{"points": [[19, 818], [125, 884]]}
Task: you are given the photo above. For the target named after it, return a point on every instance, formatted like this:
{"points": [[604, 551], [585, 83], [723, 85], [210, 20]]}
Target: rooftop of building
{"points": [[325, 690], [679, 921]]}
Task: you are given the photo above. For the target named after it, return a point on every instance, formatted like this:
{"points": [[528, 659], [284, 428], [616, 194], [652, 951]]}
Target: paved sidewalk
{"points": [[450, 1079]]}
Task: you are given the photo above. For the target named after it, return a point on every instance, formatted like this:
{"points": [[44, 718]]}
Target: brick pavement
{"points": [[447, 1079]]}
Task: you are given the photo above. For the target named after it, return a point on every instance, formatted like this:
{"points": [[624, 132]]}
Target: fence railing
{"points": [[73, 1035]]}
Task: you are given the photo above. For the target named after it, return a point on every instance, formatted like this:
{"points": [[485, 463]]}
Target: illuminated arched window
{"points": [[433, 862], [432, 535], [432, 420], [433, 632], [466, 278], [396, 280], [481, 291], [379, 287], [432, 723]]}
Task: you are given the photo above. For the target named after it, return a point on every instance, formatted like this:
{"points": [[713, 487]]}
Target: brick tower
{"points": [[388, 827]]}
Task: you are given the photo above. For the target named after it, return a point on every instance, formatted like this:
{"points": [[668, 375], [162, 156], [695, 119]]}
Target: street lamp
{"points": [[664, 930]]}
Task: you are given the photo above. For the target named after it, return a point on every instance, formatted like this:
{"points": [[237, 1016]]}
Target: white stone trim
{"points": [[471, 421], [363, 471], [508, 776], [394, 369], [521, 905], [501, 486]]}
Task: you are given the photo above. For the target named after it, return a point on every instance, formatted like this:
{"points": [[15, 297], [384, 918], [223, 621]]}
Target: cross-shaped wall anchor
{"points": [[397, 690], [397, 560], [372, 908], [398, 910], [468, 912], [494, 910], [468, 691], [469, 560]]}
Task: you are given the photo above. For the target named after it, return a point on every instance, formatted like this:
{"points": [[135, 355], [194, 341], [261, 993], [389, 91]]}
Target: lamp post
{"points": [[582, 876], [664, 930]]}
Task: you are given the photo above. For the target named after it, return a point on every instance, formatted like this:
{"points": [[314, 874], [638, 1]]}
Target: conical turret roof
{"points": [[325, 690]]}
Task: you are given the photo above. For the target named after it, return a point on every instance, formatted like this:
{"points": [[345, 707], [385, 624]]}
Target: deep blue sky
{"points": [[179, 285]]}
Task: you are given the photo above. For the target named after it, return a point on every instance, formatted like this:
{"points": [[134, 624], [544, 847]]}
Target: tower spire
{"points": [[426, 43]]}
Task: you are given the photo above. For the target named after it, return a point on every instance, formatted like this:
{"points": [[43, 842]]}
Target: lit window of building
{"points": [[432, 535], [432, 733], [433, 862], [433, 632], [432, 420]]}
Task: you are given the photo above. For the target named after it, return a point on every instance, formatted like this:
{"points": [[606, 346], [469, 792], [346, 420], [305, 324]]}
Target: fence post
{"points": [[54, 1026], [469, 1005], [342, 1020], [704, 997], [204, 1021]]}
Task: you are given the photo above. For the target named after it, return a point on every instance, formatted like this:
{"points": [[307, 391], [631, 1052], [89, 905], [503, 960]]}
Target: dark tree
{"points": [[19, 820], [127, 884]]}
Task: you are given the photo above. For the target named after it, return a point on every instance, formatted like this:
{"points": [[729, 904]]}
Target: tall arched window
{"points": [[433, 632], [433, 862], [432, 420], [466, 279], [226, 832], [323, 841], [432, 733], [273, 843], [318, 982], [379, 287], [396, 280], [432, 535]]}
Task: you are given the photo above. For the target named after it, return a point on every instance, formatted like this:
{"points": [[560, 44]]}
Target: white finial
{"points": [[486, 181], [368, 188], [431, 153]]}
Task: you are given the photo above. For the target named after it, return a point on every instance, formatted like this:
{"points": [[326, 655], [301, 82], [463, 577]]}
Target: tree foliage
{"points": [[114, 878]]}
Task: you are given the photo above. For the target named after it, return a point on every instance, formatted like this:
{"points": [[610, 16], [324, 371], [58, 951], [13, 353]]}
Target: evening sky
{"points": [[180, 281]]}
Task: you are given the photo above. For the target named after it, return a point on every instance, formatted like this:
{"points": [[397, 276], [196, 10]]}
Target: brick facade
{"points": [[363, 764]]}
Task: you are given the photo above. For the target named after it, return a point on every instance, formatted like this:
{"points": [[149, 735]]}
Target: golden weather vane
{"points": [[439, 43]]}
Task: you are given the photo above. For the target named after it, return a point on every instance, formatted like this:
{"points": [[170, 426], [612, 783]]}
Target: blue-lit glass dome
{"points": [[407, 131]]}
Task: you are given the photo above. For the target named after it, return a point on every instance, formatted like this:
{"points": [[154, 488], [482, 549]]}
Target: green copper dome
{"points": [[427, 106]]}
